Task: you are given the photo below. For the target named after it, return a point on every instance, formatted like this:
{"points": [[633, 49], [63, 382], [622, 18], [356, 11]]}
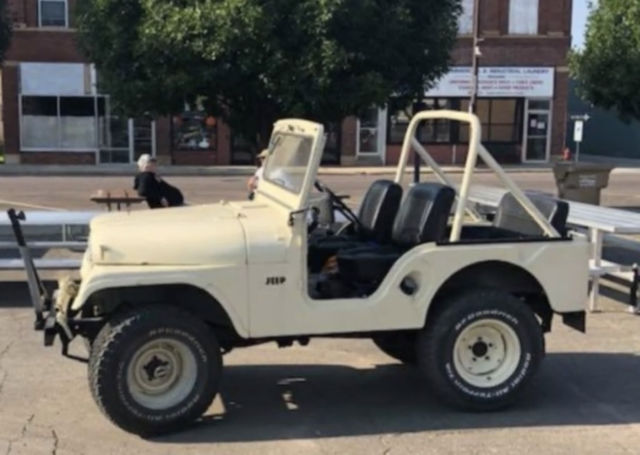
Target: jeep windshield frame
{"points": [[292, 162], [288, 160]]}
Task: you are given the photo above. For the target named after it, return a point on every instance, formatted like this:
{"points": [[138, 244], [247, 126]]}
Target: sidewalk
{"points": [[114, 170]]}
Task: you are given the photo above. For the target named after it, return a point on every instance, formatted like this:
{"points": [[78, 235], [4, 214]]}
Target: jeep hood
{"points": [[204, 234]]}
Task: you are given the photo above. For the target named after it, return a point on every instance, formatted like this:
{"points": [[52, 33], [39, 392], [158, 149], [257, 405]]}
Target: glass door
{"points": [[113, 135], [123, 140], [537, 132], [372, 133], [331, 153], [142, 132]]}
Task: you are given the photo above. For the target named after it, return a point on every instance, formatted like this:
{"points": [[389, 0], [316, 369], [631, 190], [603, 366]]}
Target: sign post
{"points": [[578, 131]]}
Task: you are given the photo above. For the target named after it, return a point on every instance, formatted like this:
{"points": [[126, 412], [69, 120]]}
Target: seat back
{"points": [[378, 210], [423, 215], [513, 217]]}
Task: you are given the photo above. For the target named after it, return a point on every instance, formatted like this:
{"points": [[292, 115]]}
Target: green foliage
{"points": [[5, 28], [608, 68], [253, 61]]}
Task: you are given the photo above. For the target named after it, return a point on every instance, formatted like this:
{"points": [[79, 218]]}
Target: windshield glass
{"points": [[288, 160]]}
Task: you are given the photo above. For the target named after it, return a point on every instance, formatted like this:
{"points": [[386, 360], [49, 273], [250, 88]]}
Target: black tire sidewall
{"points": [[116, 399], [494, 306]]}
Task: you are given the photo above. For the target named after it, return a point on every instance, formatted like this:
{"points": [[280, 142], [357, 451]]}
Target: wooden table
{"points": [[117, 197], [598, 221]]}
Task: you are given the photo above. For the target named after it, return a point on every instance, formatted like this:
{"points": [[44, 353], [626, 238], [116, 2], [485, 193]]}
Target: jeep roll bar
{"points": [[475, 149]]}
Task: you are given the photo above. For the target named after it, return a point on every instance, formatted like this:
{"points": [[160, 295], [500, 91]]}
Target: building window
{"points": [[399, 118], [465, 20], [60, 122], [39, 121], [501, 120], [435, 131], [52, 13], [194, 130], [523, 17], [430, 131]]}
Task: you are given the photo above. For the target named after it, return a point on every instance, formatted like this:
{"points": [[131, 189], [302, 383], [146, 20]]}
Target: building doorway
{"points": [[372, 134], [537, 131], [123, 140], [332, 147]]}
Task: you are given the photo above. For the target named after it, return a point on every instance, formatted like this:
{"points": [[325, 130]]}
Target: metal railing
{"points": [[53, 231]]}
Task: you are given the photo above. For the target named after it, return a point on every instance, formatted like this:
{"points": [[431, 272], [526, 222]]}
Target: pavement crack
{"points": [[56, 441], [26, 425], [6, 349], [2, 380], [9, 447]]}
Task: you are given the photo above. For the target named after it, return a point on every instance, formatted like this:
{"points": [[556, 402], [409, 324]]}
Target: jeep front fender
{"points": [[210, 279]]}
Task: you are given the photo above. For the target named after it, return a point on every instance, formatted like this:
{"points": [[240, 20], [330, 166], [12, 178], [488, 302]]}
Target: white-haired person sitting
{"points": [[152, 187]]}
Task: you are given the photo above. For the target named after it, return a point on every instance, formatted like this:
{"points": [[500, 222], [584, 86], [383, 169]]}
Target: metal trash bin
{"points": [[581, 182]]}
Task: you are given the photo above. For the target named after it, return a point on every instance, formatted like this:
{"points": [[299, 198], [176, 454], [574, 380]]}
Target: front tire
{"points": [[154, 369], [481, 349]]}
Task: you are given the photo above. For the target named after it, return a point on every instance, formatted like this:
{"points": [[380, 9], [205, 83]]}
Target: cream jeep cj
{"points": [[165, 293]]}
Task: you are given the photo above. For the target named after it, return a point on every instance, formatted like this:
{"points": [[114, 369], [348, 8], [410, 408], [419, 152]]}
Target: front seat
{"points": [[376, 214], [423, 217]]}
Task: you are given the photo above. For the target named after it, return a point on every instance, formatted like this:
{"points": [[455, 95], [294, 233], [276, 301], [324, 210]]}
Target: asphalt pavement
{"points": [[333, 396]]}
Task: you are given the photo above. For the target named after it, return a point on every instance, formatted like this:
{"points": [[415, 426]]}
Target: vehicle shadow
{"points": [[276, 402]]}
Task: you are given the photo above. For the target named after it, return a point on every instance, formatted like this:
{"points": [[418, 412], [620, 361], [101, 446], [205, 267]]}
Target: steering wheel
{"points": [[339, 205]]}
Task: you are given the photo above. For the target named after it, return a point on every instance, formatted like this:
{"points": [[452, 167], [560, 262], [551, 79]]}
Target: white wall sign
{"points": [[497, 82], [578, 128], [54, 79]]}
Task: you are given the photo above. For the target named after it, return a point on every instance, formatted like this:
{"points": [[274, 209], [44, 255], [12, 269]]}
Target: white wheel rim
{"points": [[486, 353], [161, 373]]}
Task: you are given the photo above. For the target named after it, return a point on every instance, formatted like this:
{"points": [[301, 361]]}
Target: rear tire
{"points": [[398, 345], [481, 349], [154, 369]]}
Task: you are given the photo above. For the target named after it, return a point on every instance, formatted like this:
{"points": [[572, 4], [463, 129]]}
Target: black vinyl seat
{"points": [[376, 214], [511, 216], [423, 217]]}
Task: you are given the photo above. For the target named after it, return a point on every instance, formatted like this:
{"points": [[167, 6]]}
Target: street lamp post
{"points": [[475, 56]]}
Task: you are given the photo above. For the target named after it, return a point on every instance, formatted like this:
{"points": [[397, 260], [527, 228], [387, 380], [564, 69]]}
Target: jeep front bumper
{"points": [[53, 315]]}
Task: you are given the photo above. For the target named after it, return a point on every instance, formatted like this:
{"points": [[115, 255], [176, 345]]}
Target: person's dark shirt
{"points": [[154, 190]]}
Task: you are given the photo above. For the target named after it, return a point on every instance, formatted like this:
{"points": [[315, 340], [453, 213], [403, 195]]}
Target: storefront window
{"points": [[435, 131], [39, 121], [399, 119], [431, 131], [501, 120], [78, 122], [194, 130], [59, 123]]}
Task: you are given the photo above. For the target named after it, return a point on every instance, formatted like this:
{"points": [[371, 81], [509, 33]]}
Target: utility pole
{"points": [[475, 56]]}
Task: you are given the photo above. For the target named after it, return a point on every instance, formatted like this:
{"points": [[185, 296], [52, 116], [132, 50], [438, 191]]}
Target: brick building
{"points": [[53, 112]]}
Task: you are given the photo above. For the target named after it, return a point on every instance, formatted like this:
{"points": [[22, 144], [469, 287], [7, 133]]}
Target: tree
{"points": [[608, 68], [5, 28], [253, 61]]}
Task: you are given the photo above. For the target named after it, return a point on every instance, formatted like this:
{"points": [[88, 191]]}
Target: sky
{"points": [[580, 11]]}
